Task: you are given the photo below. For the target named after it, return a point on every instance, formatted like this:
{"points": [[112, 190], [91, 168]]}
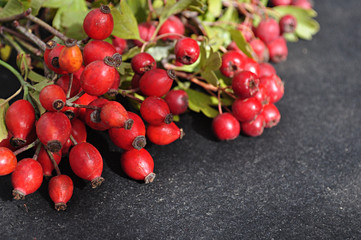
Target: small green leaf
{"points": [[5, 52], [176, 118], [35, 97], [35, 6], [215, 7], [160, 51], [173, 7], [13, 7], [238, 38], [56, 3], [125, 24], [131, 53], [39, 86], [202, 55], [140, 9], [214, 61], [36, 77], [3, 130], [200, 102], [210, 77]]}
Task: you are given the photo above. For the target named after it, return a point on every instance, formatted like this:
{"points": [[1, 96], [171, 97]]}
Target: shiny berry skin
{"points": [[233, 47], [260, 49], [87, 163], [271, 115], [129, 139], [63, 82], [6, 143], [232, 63], [114, 114], [49, 46], [53, 59], [266, 69], [8, 161], [245, 84], [119, 44], [46, 163], [155, 111], [281, 2], [27, 178], [255, 127], [306, 4], [251, 65], [262, 94], [115, 88], [84, 100], [98, 77], [70, 57], [177, 101], [146, 31], [288, 23], [172, 25], [268, 30], [164, 134], [92, 116], [53, 129], [20, 120], [98, 23], [143, 62], [247, 109], [274, 86], [52, 97], [97, 50], [156, 82], [79, 133], [278, 50], [187, 51], [60, 190], [138, 165], [226, 127]]}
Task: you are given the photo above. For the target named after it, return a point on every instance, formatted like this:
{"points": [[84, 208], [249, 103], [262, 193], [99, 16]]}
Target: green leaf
{"points": [[139, 9], [13, 7], [5, 52], [39, 86], [160, 51], [34, 95], [131, 53], [56, 3], [35, 6], [215, 7], [125, 24], [242, 44], [210, 77], [213, 62], [36, 77], [3, 130], [176, 118], [173, 7], [200, 102]]}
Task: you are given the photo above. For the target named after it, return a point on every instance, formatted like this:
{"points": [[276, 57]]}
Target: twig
{"points": [[16, 17], [70, 85], [31, 36], [56, 167], [27, 147]]}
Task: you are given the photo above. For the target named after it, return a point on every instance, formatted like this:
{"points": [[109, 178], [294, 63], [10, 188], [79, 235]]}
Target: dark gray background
{"points": [[300, 180]]}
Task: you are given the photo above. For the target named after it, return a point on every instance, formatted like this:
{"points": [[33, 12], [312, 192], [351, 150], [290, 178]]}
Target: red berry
{"points": [[6, 143], [87, 163], [233, 47], [84, 100], [306, 4], [164, 134], [78, 131], [115, 88], [266, 69], [226, 127], [49, 46], [46, 163], [260, 49], [92, 116], [246, 109], [271, 115], [97, 50], [63, 82], [186, 51], [262, 94], [52, 97], [268, 30], [135, 80], [114, 114], [251, 65], [53, 129], [146, 31], [143, 62], [274, 86], [255, 127], [245, 29], [119, 44], [281, 2], [172, 25], [138, 165], [129, 139], [288, 23], [52, 60], [177, 101], [155, 111], [8, 161], [232, 63], [98, 23], [27, 178], [20, 119], [245, 84], [60, 191], [156, 82], [278, 50], [70, 57]]}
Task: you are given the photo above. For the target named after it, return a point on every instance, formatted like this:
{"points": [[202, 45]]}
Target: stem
{"points": [[36, 154], [16, 17], [69, 104], [219, 102], [124, 91], [204, 85], [73, 140], [56, 167], [13, 43], [28, 46], [47, 27], [23, 149], [76, 97], [12, 96], [132, 97], [31, 36], [17, 74], [70, 85]]}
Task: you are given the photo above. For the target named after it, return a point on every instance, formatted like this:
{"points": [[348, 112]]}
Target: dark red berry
{"points": [[278, 50], [155, 111], [164, 134], [146, 31], [245, 84], [288, 23], [135, 81], [274, 86], [92, 116], [27, 178], [177, 101], [281, 2], [156, 82], [129, 139], [6, 143], [97, 50], [271, 115], [232, 63], [226, 127], [262, 94], [268, 30], [260, 49], [53, 59], [172, 25], [255, 127], [52, 97], [20, 119], [53, 129], [187, 51], [114, 114], [266, 69], [70, 57], [8, 161], [60, 191], [119, 44], [98, 23], [246, 109], [138, 165], [63, 82], [87, 163], [306, 4], [46, 163], [143, 62]]}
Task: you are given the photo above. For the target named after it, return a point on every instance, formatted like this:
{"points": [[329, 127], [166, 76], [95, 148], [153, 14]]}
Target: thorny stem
{"points": [[23, 149], [16, 17], [56, 167], [31, 36], [70, 85]]}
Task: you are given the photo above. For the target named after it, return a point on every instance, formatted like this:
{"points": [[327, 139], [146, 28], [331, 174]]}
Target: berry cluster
{"points": [[86, 78]]}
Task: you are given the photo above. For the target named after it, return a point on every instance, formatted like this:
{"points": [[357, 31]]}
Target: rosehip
{"points": [[70, 57], [232, 63], [52, 97], [143, 62], [164, 134], [60, 190], [271, 115], [172, 25], [278, 50], [186, 51], [8, 161], [63, 82], [251, 65], [262, 94], [87, 163], [92, 116], [306, 4], [98, 23], [226, 127], [146, 31], [246, 109], [53, 59], [78, 131], [97, 50], [119, 44], [281, 2], [114, 89], [177, 101], [267, 30], [274, 86], [46, 163], [84, 100], [114, 114], [27, 178], [155, 111], [266, 69], [135, 80], [255, 127], [156, 82], [288, 23], [138, 165], [233, 47], [260, 49], [245, 84]]}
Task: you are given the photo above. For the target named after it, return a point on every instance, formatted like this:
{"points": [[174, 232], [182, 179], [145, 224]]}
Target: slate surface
{"points": [[300, 180]]}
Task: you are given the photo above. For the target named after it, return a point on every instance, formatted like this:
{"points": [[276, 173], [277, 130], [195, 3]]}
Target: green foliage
{"points": [[125, 23], [201, 102], [3, 130]]}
